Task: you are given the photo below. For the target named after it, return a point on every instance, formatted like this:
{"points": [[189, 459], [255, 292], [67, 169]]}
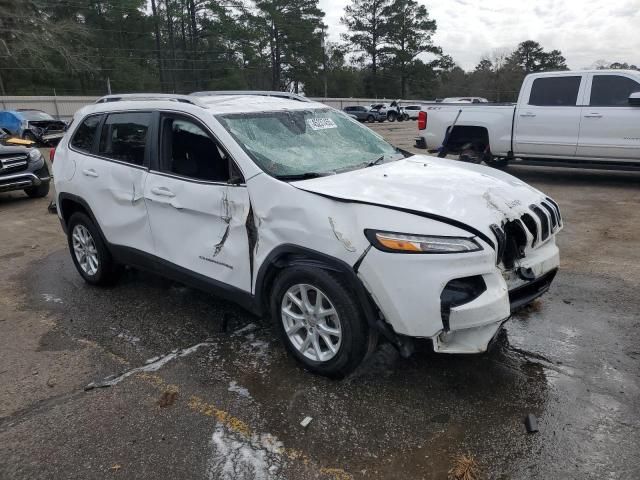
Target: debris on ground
{"points": [[168, 398], [306, 421], [531, 423], [464, 467]]}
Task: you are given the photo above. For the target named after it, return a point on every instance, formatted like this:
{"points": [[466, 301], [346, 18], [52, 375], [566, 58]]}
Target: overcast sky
{"points": [[584, 30]]}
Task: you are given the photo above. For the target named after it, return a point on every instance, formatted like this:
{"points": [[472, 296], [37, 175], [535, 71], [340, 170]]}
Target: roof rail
{"points": [[262, 93], [149, 97]]}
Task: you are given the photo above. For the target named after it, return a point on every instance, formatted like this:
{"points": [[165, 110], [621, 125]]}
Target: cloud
{"points": [[584, 30]]}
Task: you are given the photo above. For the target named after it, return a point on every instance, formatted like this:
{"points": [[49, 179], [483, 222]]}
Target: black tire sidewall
{"points": [[40, 191], [355, 332], [371, 119], [104, 275]]}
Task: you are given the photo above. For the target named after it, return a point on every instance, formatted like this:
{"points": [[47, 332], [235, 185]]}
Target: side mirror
{"points": [[634, 99]]}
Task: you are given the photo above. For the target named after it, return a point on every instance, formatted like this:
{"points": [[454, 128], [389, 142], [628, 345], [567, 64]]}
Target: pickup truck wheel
{"points": [[371, 119], [319, 322], [497, 162], [471, 154]]}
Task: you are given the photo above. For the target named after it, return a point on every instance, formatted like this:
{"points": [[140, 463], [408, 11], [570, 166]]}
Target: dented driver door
{"points": [[198, 219]]}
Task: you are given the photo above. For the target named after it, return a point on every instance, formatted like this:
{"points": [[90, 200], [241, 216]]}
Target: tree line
{"points": [[81, 46]]}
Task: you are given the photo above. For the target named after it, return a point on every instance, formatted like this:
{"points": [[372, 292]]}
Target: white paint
{"points": [[306, 421], [240, 390], [236, 457], [50, 298]]}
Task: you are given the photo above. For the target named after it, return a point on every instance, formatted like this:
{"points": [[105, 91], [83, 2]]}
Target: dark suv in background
{"points": [[24, 169]]}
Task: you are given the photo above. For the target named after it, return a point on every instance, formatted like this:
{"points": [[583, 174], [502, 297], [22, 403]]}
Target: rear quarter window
{"points": [[84, 137]]}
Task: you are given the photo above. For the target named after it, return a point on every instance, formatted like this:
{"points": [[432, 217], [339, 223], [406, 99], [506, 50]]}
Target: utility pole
{"points": [[108, 86], [324, 61]]}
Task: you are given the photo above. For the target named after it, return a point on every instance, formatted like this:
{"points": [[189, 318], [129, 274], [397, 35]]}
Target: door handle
{"points": [[593, 115], [163, 192], [90, 173], [528, 114]]}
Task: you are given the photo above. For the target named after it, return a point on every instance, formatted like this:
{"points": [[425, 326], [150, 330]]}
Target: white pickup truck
{"points": [[572, 117]]}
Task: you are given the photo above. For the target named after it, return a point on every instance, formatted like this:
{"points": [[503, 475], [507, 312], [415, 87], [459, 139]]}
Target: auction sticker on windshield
{"points": [[321, 123]]}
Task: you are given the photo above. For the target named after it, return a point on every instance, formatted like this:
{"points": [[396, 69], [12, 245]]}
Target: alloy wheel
{"points": [[85, 250], [311, 322]]}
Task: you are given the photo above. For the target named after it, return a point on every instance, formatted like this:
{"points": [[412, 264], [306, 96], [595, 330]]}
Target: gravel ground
{"points": [[203, 390]]}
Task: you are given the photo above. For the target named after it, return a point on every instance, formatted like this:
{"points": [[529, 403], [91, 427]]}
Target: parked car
{"points": [[23, 169], [568, 117], [464, 100], [412, 111], [34, 125], [291, 209], [362, 113]]}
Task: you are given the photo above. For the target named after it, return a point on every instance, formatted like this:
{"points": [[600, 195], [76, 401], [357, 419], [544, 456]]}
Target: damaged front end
{"points": [[527, 260], [46, 132]]}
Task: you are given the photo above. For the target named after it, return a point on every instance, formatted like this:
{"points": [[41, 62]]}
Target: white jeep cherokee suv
{"points": [[294, 209]]}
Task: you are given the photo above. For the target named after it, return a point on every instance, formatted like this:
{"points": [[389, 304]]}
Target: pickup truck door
{"points": [[547, 120], [610, 127]]}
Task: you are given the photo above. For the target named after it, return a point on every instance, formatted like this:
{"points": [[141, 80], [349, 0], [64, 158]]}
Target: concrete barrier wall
{"points": [[64, 107]]}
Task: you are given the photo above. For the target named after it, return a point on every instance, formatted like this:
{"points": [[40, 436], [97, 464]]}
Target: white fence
{"points": [[63, 108]]}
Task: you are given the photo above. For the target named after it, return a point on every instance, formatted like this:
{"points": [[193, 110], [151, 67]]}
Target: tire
{"points": [[40, 191], [84, 234], [391, 117], [356, 340], [371, 119], [471, 154], [497, 162]]}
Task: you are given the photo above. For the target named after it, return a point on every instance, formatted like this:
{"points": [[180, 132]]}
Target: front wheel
{"points": [[391, 117], [319, 322], [40, 191], [371, 119]]}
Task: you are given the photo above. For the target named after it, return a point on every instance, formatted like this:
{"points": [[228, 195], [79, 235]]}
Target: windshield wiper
{"points": [[301, 176], [376, 161]]}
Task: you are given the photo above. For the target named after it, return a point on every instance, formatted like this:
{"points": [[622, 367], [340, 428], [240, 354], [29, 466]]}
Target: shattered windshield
{"points": [[306, 143]]}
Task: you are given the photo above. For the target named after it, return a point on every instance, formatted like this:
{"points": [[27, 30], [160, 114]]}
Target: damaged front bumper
{"points": [[411, 293]]}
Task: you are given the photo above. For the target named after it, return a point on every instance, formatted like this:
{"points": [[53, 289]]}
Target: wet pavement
{"points": [[201, 389]]}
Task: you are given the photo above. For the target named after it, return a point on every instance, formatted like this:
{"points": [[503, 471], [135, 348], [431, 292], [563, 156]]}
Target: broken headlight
{"points": [[406, 243]]}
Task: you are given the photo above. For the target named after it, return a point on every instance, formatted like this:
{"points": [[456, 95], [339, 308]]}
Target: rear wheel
{"points": [[371, 119], [471, 153], [320, 324], [89, 253], [392, 116], [40, 191]]}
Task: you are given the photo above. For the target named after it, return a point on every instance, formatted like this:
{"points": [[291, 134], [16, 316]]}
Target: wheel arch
{"points": [[463, 134], [70, 204]]}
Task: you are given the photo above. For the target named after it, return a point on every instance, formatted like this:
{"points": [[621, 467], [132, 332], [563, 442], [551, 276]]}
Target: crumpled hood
{"points": [[474, 195]]}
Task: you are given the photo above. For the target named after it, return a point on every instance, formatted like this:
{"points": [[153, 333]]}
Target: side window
{"points": [[189, 151], [612, 90], [124, 137], [84, 137], [555, 91]]}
